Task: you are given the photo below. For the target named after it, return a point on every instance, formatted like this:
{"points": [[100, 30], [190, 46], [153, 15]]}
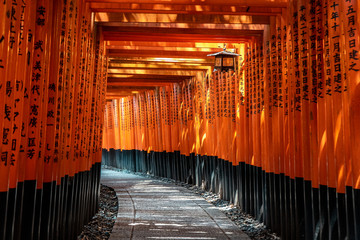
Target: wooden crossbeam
{"points": [[106, 18], [114, 81], [170, 44], [153, 72], [182, 49], [156, 66], [183, 9], [244, 3], [180, 27], [130, 88], [148, 76], [159, 54], [179, 38], [151, 31], [142, 84], [146, 62]]}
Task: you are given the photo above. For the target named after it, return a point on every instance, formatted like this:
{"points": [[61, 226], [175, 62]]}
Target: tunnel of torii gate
{"points": [[129, 84]]}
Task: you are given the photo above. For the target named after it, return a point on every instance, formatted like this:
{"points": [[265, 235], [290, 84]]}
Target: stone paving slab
{"points": [[152, 209]]}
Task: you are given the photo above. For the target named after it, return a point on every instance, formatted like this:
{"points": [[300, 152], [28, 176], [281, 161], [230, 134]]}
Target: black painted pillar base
{"points": [[332, 213], [340, 207], [287, 233], [356, 205], [322, 228], [241, 184], [259, 194], [3, 207], [308, 210], [47, 206], [11, 208], [350, 218], [28, 213], [18, 210]]}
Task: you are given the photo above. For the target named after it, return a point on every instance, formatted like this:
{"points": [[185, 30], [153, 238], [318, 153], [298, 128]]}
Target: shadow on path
{"points": [[151, 209]]}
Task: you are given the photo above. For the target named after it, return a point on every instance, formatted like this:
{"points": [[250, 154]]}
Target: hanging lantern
{"points": [[224, 60]]}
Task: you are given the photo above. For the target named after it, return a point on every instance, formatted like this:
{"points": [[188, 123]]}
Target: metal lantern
{"points": [[224, 60]]}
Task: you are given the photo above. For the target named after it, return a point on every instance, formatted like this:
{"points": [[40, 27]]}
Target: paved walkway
{"points": [[152, 209]]}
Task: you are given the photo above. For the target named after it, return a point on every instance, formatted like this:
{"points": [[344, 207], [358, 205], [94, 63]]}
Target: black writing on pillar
{"points": [[47, 159], [304, 51], [327, 64], [40, 21], [353, 51], [279, 67], [36, 76], [31, 153], [13, 144], [297, 100], [23, 130], [52, 87], [31, 142], [19, 85], [34, 109], [22, 24], [38, 45], [37, 66], [35, 89], [15, 127], [33, 122], [9, 88], [26, 95], [12, 159], [7, 112], [313, 66], [5, 138], [335, 48], [16, 114], [4, 158], [50, 114], [12, 26], [51, 100], [30, 36]]}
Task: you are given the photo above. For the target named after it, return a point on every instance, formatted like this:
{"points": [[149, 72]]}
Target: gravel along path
{"points": [[102, 223]]}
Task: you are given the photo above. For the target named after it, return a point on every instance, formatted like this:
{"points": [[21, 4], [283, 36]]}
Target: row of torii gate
{"points": [[130, 84]]}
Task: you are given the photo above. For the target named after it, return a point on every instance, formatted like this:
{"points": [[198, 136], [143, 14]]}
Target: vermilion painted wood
{"points": [[263, 3], [182, 9]]}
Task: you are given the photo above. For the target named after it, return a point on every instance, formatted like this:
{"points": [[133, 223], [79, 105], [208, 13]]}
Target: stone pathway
{"points": [[151, 209]]}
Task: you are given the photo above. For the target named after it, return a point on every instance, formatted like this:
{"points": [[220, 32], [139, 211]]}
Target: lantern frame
{"points": [[219, 60]]}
